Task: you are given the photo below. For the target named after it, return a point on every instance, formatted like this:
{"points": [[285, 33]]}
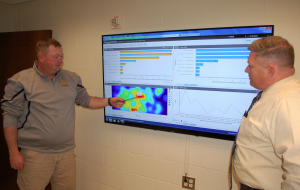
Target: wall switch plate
{"points": [[188, 182]]}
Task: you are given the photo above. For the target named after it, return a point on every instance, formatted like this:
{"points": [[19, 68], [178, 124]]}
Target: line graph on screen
{"points": [[211, 103]]}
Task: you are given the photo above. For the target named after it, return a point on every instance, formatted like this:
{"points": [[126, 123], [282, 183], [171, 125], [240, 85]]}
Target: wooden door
{"points": [[17, 52]]}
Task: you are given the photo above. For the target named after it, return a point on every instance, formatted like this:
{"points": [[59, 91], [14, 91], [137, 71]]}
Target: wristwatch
{"points": [[109, 103]]}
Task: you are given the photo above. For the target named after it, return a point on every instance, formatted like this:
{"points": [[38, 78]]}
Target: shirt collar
{"points": [[274, 87], [35, 67]]}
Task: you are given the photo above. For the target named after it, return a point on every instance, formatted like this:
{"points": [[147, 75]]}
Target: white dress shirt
{"points": [[268, 142]]}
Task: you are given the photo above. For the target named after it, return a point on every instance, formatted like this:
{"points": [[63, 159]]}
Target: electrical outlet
{"points": [[188, 182]]}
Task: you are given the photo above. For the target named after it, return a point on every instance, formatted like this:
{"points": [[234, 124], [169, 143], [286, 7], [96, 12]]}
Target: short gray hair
{"points": [[274, 47], [42, 46]]}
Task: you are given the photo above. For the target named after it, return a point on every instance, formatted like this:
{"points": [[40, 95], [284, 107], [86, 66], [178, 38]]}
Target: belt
{"points": [[245, 187]]}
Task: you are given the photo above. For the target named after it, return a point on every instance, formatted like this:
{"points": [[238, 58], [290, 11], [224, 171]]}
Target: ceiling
{"points": [[13, 2]]}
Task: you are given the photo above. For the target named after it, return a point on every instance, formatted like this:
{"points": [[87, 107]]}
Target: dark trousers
{"points": [[245, 187]]}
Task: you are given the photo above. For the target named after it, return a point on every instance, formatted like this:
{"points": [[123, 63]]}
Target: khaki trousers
{"points": [[42, 168]]}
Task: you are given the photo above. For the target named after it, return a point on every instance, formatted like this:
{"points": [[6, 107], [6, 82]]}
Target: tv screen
{"points": [[184, 81]]}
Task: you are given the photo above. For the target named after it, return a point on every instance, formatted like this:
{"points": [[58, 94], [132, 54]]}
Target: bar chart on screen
{"points": [[212, 62], [154, 63]]}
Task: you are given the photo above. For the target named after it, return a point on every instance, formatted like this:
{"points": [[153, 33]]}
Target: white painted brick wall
{"points": [[111, 157]]}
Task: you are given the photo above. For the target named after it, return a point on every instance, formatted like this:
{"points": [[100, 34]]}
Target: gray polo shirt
{"points": [[43, 109]]}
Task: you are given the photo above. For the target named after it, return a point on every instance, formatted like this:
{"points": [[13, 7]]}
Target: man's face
{"points": [[257, 74], [52, 61]]}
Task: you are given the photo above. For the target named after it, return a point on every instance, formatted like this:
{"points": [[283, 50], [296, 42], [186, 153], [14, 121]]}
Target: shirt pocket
{"points": [[245, 134]]}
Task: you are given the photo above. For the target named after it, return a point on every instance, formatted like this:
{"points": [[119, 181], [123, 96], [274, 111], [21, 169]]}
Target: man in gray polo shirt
{"points": [[38, 118]]}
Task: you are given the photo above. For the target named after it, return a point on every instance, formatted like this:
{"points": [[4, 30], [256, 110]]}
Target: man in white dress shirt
{"points": [[267, 154]]}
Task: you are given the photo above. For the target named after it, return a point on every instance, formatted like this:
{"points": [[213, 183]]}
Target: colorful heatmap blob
{"points": [[147, 100]]}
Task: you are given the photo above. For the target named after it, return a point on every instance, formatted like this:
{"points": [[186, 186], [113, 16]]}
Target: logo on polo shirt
{"points": [[64, 84]]}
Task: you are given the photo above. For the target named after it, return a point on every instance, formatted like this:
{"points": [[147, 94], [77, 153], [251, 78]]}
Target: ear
{"points": [[40, 57], [271, 70]]}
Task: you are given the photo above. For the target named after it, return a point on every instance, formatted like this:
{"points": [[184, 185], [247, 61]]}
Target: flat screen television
{"points": [[183, 81]]}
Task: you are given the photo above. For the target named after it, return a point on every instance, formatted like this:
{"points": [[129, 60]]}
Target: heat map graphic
{"points": [[142, 99]]}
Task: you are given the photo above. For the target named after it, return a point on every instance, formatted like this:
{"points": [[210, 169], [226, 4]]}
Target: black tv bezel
{"points": [[174, 129]]}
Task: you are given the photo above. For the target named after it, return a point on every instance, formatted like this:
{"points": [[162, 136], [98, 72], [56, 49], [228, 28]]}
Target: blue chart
{"points": [[221, 63], [146, 99], [217, 104]]}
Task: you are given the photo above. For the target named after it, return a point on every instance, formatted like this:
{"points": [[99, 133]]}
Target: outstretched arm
{"points": [[102, 102]]}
